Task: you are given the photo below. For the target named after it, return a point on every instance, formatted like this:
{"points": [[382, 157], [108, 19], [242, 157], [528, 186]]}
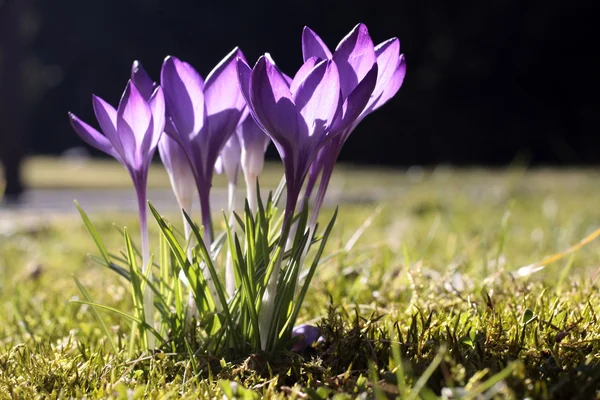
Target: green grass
{"points": [[425, 304]]}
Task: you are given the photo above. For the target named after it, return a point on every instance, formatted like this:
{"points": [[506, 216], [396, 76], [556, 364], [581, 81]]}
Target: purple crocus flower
{"points": [[204, 116], [131, 134], [297, 114], [354, 56], [172, 155], [307, 335], [254, 143]]}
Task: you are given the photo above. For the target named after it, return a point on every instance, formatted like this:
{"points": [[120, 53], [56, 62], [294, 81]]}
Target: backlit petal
{"points": [[184, 97], [313, 45]]}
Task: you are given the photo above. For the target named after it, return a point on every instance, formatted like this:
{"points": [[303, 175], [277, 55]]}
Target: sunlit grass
{"points": [[432, 273]]}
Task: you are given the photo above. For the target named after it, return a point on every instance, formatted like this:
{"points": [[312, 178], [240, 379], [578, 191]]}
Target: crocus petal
{"points": [[230, 158], [107, 119], [254, 143], [179, 169], [219, 165], [356, 102], [273, 104], [354, 56], [287, 79], [387, 54], [134, 123], [302, 73], [393, 85], [92, 137], [142, 80], [157, 107], [313, 45], [308, 334], [318, 98], [224, 100], [184, 97], [244, 75]]}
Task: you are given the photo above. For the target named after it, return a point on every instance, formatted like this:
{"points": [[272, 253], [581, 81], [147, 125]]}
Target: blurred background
{"points": [[488, 82]]}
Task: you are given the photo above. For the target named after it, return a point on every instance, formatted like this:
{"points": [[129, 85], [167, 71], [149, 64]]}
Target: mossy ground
{"points": [[424, 265]]}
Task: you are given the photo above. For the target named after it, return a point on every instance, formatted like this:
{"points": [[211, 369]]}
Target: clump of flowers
{"points": [[241, 290]]}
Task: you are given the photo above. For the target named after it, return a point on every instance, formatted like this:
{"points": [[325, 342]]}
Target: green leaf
{"points": [[122, 314], [195, 279], [111, 265], [311, 272], [246, 289], [528, 317], [218, 287], [94, 233], [87, 297]]}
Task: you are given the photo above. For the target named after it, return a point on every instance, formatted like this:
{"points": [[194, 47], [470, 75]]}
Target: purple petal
{"points": [[302, 72], [157, 107], [354, 56], [318, 98], [254, 143], [287, 79], [92, 136], [308, 334], [184, 97], [224, 100], [180, 172], [313, 45], [230, 158], [273, 104], [244, 75], [356, 102], [393, 85], [387, 54], [134, 123], [142, 80], [107, 119], [251, 135]]}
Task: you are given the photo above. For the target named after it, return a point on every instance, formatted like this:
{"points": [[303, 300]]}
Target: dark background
{"points": [[488, 82]]}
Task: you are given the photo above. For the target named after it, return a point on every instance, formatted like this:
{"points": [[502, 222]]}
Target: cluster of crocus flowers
{"points": [[371, 76], [226, 122], [310, 116]]}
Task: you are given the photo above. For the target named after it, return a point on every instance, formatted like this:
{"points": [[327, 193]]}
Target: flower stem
{"points": [[229, 273], [192, 309], [251, 193], [148, 294], [204, 195], [323, 185], [206, 216]]}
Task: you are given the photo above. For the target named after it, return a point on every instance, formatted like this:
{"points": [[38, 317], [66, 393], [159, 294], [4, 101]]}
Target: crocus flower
{"points": [[354, 56], [254, 143], [131, 134], [172, 155], [306, 336], [204, 116], [297, 115], [180, 174]]}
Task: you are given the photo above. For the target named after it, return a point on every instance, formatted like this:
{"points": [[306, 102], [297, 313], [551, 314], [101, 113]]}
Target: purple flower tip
{"points": [[307, 336]]}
